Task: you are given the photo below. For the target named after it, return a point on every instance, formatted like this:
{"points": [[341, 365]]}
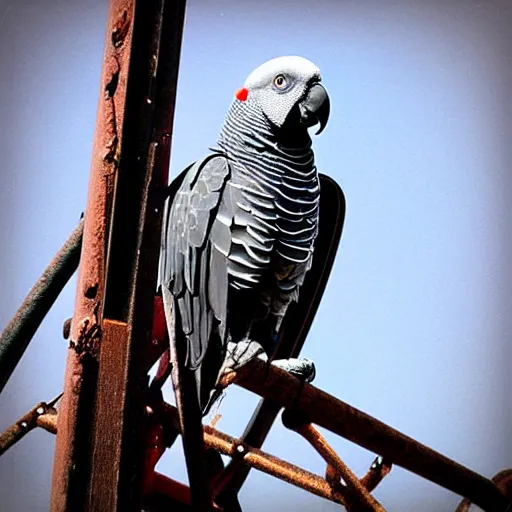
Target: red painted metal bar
{"points": [[99, 451]]}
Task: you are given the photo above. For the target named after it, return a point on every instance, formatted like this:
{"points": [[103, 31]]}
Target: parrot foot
{"points": [[303, 368], [239, 354]]}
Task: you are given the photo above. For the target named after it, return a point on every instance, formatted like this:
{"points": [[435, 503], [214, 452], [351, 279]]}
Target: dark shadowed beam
{"points": [[20, 330], [99, 451]]}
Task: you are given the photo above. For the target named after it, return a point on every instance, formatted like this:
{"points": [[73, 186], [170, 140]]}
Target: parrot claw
{"points": [[239, 354], [302, 368]]}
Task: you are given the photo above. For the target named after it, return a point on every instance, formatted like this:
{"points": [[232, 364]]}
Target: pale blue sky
{"points": [[415, 324]]}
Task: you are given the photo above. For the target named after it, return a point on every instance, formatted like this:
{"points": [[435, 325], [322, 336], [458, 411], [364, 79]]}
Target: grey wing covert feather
{"points": [[191, 266]]}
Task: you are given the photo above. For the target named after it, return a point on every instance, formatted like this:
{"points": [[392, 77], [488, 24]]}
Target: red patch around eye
{"points": [[242, 94]]}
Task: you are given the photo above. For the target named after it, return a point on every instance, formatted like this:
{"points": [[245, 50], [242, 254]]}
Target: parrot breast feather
{"points": [[190, 260]]}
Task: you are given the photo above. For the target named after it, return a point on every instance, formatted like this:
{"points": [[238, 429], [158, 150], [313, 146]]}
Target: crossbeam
{"points": [[344, 420], [304, 405]]}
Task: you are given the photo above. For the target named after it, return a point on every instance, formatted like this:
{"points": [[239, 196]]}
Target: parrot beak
{"points": [[315, 107]]}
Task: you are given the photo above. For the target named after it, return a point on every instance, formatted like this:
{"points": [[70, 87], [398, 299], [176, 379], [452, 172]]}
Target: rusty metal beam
{"points": [[99, 448], [503, 480], [163, 493], [271, 465], [359, 498], [134, 252], [41, 415], [344, 420], [256, 458], [71, 464], [20, 330]]}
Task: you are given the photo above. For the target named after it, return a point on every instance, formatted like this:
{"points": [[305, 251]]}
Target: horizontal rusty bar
{"points": [[247, 456], [258, 459], [368, 432], [271, 465], [20, 330], [41, 415], [252, 457]]}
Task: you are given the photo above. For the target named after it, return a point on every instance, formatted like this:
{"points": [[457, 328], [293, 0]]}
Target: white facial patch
{"points": [[276, 104]]}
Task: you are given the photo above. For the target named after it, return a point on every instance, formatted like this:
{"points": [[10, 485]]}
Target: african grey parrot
{"points": [[239, 234]]}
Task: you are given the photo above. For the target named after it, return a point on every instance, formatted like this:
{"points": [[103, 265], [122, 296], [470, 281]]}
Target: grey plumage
{"points": [[240, 232]]}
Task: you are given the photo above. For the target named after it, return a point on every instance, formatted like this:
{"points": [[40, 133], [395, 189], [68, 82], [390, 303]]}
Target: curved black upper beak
{"points": [[315, 107]]}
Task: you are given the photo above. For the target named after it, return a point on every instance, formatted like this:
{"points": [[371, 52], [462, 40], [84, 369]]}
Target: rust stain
{"points": [[121, 29], [89, 337], [111, 155], [358, 496]]}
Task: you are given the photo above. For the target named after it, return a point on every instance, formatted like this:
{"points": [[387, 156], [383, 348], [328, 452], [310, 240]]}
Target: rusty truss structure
{"points": [[111, 421]]}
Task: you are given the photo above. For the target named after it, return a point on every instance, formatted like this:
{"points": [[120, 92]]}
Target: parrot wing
{"points": [[191, 266]]}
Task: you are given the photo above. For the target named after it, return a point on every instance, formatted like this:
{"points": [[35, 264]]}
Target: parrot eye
{"points": [[280, 81]]}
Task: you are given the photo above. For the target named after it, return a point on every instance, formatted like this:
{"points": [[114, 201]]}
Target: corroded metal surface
{"points": [[41, 415], [257, 459], [340, 485], [358, 497], [71, 464], [344, 420], [503, 481], [98, 459]]}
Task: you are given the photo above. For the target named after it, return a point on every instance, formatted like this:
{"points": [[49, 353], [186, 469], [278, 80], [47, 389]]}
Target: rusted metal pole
{"points": [[271, 465], [98, 457], [72, 465], [133, 256], [20, 330], [28, 422], [379, 469], [503, 481], [359, 498], [257, 459], [342, 419]]}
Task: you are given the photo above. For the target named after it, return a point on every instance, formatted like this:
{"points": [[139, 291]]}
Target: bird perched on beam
{"points": [[240, 232]]}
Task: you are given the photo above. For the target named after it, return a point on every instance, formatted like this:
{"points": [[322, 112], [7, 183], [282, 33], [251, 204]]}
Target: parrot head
{"points": [[287, 91]]}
